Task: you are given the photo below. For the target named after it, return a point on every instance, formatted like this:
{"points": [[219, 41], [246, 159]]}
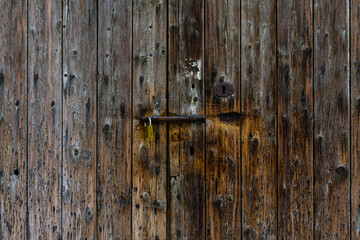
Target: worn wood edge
{"points": [[355, 118]]}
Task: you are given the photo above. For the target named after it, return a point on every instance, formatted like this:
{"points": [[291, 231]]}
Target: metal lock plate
{"points": [[224, 89]]}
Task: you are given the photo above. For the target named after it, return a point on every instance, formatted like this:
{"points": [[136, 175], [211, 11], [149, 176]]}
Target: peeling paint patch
{"points": [[193, 68], [198, 66]]}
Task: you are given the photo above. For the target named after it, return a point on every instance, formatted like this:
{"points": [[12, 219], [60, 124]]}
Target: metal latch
{"points": [[158, 119]]}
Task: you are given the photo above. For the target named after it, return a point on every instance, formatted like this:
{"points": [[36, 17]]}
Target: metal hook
{"points": [[149, 118]]}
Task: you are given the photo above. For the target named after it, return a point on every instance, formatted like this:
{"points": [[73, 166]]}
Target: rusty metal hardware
{"points": [[224, 89], [191, 118]]}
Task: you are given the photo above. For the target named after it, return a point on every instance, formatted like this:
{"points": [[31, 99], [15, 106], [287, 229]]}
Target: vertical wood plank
{"points": [[355, 118], [259, 105], [44, 122], [79, 115], [114, 122], [331, 143], [13, 85], [174, 87], [149, 98], [295, 132], [186, 97], [223, 162]]}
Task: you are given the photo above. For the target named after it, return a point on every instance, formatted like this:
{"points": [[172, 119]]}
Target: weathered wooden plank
{"points": [[223, 162], [186, 97], [79, 116], [174, 87], [13, 84], [331, 108], [259, 104], [44, 121], [355, 118], [295, 108], [149, 98], [114, 123], [174, 223]]}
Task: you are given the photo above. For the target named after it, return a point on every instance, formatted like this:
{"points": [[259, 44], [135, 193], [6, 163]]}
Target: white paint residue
{"points": [[193, 69], [193, 109], [198, 73]]}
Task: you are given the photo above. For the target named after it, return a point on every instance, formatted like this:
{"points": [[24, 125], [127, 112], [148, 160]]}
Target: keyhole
{"points": [[191, 150], [223, 89]]}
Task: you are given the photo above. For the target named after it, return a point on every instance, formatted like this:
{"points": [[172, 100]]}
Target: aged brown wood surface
{"points": [[174, 88], [186, 97], [355, 118], [331, 126], [295, 109], [223, 165], [259, 105], [277, 159], [175, 228], [114, 120], [79, 116], [149, 98], [44, 122], [13, 123]]}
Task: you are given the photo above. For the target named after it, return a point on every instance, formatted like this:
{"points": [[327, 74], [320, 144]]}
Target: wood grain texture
{"points": [[186, 97], [279, 159], [13, 114], [355, 118], [44, 122], [149, 98], [223, 162], [331, 143], [259, 104], [295, 132], [114, 122], [174, 88], [79, 114]]}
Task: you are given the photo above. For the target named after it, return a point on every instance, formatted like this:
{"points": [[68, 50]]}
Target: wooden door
{"points": [[276, 158]]}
